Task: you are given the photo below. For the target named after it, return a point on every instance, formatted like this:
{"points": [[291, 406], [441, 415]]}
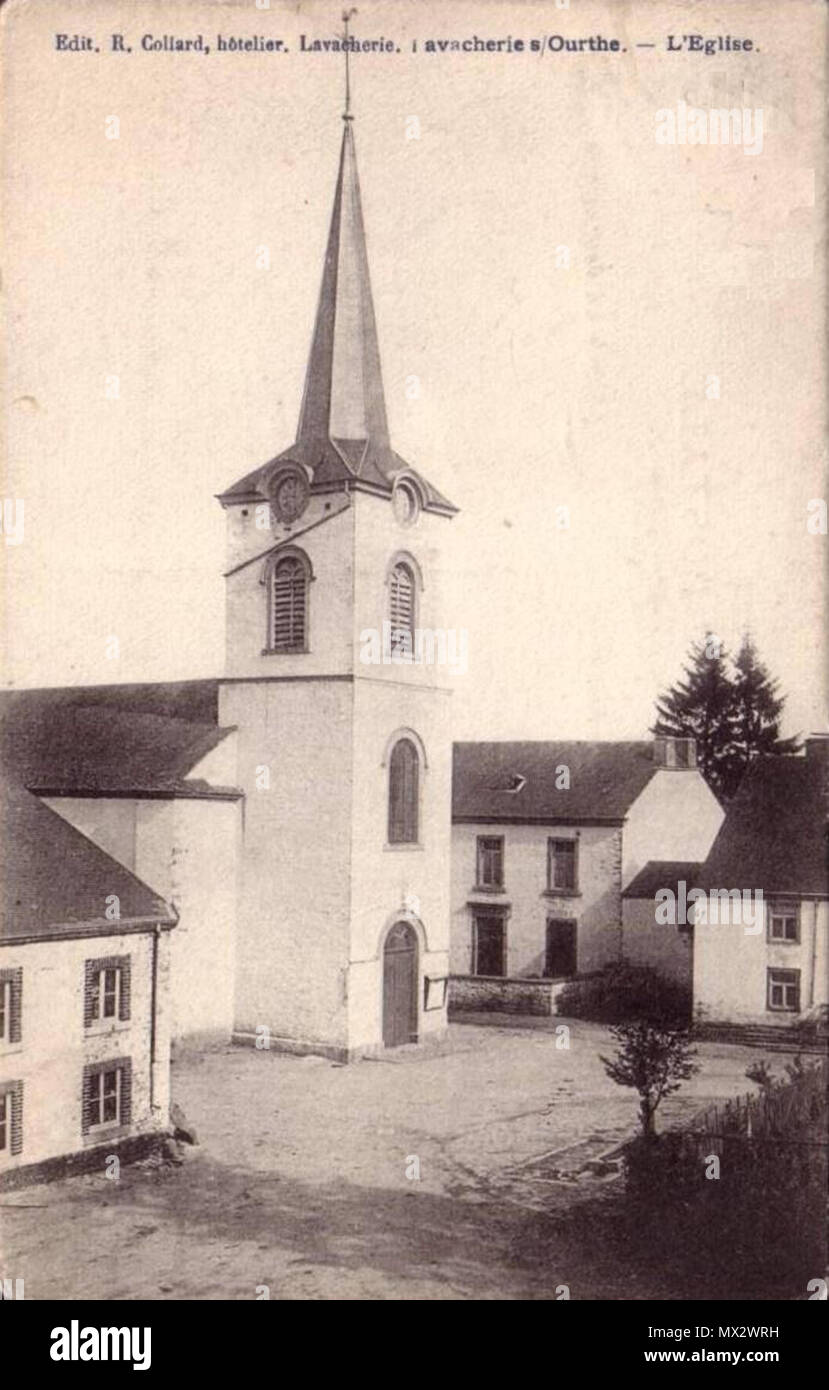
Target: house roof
{"points": [[111, 739], [343, 435], [774, 835], [54, 881], [662, 873], [517, 781]]}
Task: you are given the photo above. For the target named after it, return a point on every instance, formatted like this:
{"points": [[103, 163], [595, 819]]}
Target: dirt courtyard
{"points": [[427, 1174]]}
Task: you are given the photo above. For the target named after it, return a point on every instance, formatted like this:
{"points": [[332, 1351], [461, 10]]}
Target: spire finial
{"points": [[347, 116]]}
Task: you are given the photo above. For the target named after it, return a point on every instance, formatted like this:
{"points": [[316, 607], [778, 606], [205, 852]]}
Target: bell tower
{"points": [[337, 678]]}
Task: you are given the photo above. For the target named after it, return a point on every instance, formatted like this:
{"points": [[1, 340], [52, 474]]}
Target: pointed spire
{"points": [[343, 433], [343, 398]]}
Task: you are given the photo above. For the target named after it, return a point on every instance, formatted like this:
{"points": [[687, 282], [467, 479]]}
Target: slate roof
{"points": [[605, 780], [343, 434], [122, 739], [53, 880], [662, 873], [774, 835]]}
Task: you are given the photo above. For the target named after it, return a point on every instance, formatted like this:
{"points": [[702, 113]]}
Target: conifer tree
{"points": [[732, 710], [757, 712], [701, 707]]}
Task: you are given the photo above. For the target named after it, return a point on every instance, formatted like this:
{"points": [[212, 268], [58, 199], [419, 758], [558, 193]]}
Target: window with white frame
{"points": [[107, 990], [783, 921], [107, 1090]]}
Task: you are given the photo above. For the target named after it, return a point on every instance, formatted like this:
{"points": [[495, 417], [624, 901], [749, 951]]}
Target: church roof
{"points": [[54, 881], [517, 781], [343, 434], [124, 740]]}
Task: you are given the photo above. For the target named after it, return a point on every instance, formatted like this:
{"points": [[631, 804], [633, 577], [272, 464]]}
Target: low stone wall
{"points": [[496, 994], [92, 1160]]}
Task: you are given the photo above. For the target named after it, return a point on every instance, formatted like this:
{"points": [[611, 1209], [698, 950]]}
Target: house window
{"points": [[11, 1118], [402, 609], [489, 944], [784, 921], [490, 861], [107, 990], [562, 875], [11, 1005], [107, 1094], [404, 775], [289, 604], [784, 991]]}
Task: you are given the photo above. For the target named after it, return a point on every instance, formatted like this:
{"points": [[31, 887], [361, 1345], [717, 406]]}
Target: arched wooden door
{"points": [[400, 986]]}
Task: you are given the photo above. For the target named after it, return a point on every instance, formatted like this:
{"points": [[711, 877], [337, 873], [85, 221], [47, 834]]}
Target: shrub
{"points": [[759, 1226], [621, 992], [654, 1060]]}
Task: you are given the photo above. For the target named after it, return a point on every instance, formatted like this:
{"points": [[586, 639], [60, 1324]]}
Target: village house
{"points": [[146, 773], [773, 842], [84, 999], [546, 838]]}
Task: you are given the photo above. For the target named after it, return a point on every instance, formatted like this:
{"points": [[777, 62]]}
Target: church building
{"points": [[295, 813], [343, 905]]}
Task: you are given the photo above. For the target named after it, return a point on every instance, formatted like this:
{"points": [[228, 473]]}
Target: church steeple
{"points": [[342, 439], [343, 401]]}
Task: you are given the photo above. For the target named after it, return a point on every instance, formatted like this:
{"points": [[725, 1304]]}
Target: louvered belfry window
{"points": [[404, 770], [289, 594], [402, 609]]}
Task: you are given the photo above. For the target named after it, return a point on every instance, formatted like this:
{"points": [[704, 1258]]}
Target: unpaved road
{"points": [[304, 1180]]}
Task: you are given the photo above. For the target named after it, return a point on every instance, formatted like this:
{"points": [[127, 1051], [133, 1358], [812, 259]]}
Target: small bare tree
{"points": [[653, 1058]]}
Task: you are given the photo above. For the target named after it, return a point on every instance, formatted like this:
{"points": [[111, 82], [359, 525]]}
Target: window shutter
{"points": [[86, 1099], [89, 974], [124, 1011], [16, 1145], [16, 1021], [288, 597], [126, 1092]]}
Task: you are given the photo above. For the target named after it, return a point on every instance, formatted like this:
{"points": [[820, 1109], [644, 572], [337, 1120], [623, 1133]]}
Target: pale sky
{"points": [[541, 386]]}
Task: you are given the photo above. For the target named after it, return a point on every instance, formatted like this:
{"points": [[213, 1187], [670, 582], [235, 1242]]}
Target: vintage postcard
{"points": [[413, 706]]}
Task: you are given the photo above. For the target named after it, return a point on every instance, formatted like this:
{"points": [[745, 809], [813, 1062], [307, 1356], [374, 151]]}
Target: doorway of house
{"points": [[561, 953], [400, 986]]}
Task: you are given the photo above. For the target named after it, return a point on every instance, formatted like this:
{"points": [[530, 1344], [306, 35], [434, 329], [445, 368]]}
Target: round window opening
{"points": [[289, 495], [406, 505]]}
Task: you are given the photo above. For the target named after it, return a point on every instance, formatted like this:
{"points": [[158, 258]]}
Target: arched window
{"points": [[402, 608], [288, 605], [404, 775]]}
